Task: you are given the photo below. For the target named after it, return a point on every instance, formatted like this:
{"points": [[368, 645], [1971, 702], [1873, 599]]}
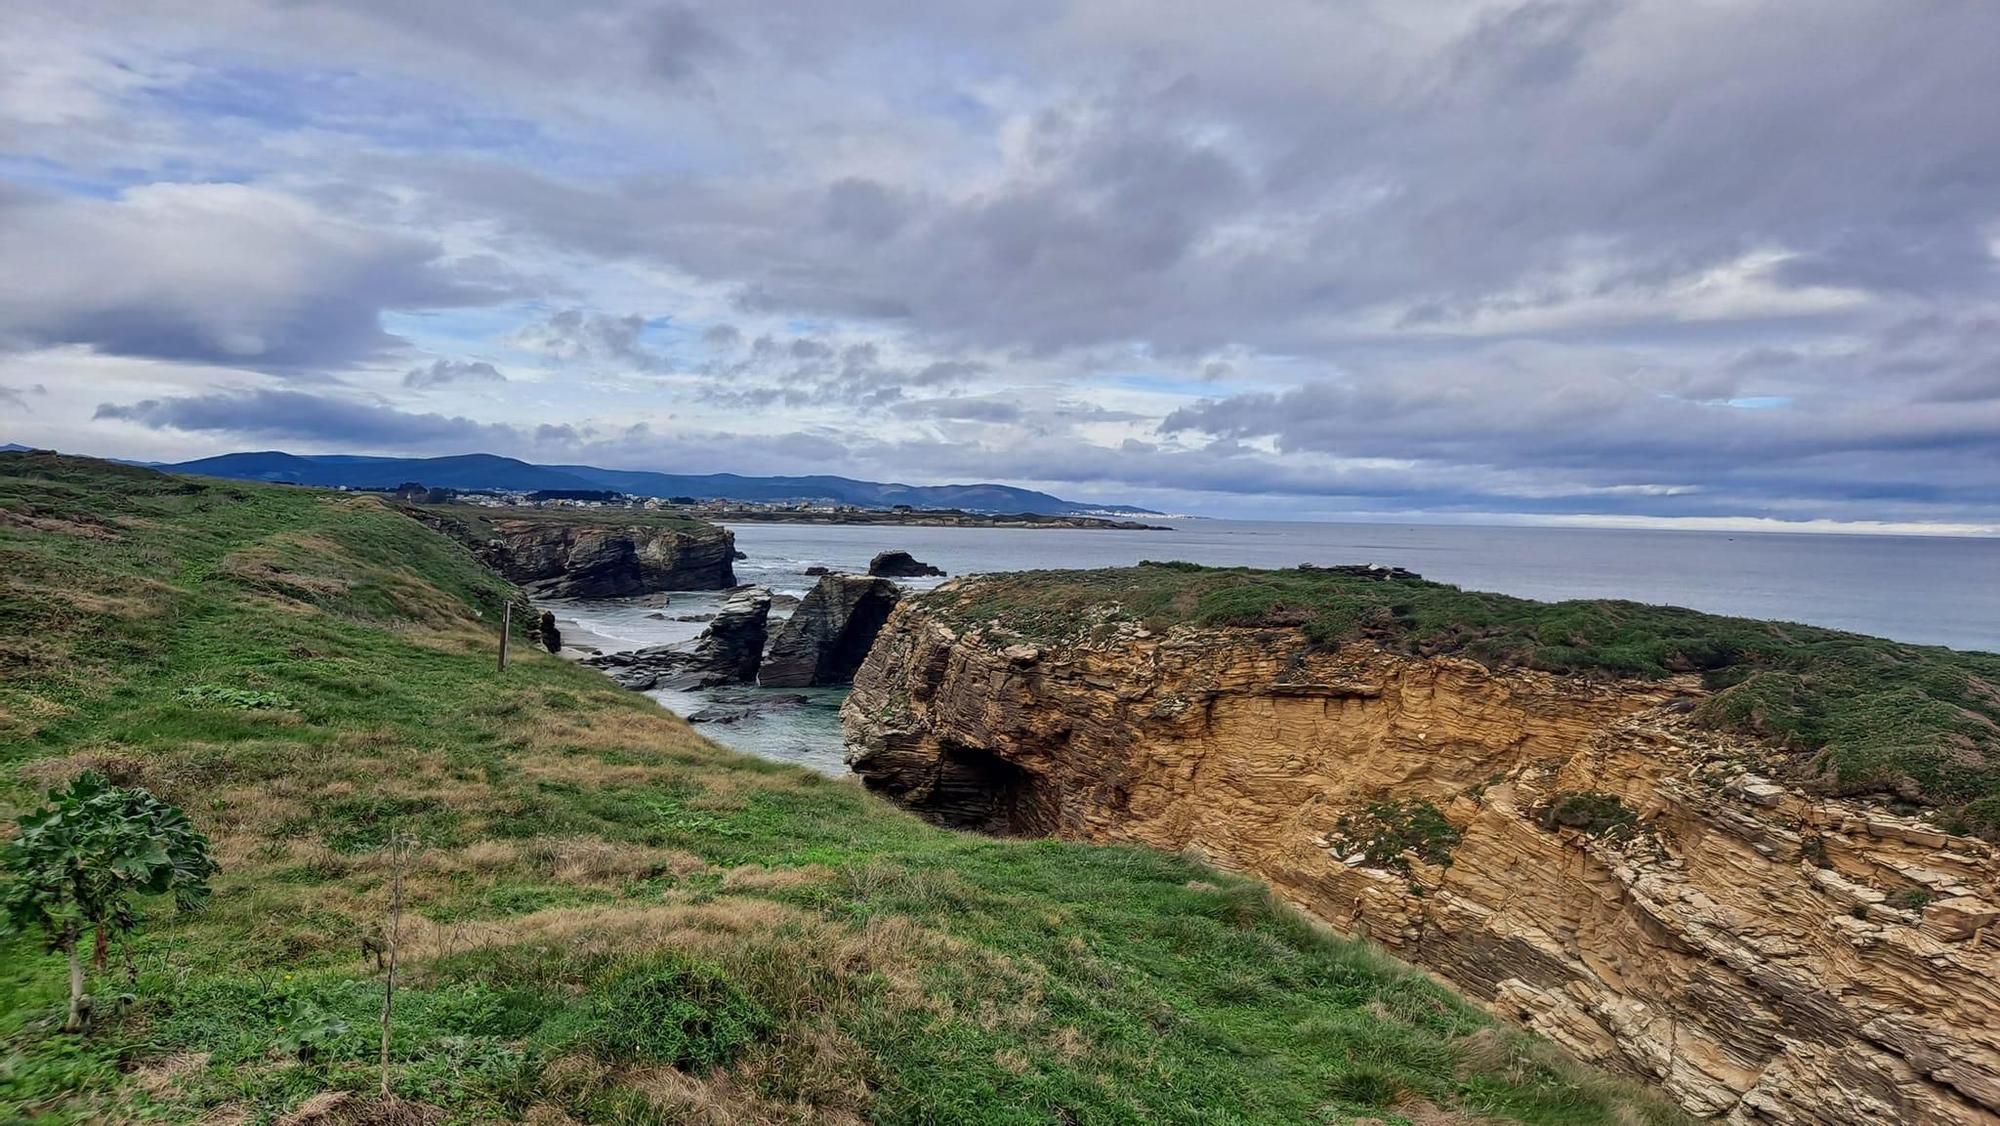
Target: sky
{"points": [[1706, 263]]}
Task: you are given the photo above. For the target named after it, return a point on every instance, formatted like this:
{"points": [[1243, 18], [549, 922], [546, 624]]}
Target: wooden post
{"points": [[506, 627]]}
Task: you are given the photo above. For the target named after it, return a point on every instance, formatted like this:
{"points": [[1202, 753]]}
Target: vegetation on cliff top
{"points": [[608, 918], [478, 520], [1859, 714]]}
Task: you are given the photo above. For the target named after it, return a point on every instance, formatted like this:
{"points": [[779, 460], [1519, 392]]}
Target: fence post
{"points": [[506, 628]]}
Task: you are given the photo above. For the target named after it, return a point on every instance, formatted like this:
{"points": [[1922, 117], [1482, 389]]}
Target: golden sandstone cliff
{"points": [[1599, 868]]}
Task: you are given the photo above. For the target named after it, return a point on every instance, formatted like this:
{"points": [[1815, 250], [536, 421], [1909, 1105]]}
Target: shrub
{"points": [[1383, 831], [679, 1012], [1910, 899], [222, 696], [77, 866], [1366, 1086], [1595, 814]]}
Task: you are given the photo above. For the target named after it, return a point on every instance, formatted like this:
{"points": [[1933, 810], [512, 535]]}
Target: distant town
{"points": [[722, 510]]}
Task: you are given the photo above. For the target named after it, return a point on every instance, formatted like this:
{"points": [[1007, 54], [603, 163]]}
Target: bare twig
{"points": [[399, 852]]}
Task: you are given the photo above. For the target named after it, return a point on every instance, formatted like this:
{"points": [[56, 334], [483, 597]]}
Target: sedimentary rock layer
{"points": [[1763, 955], [593, 558]]}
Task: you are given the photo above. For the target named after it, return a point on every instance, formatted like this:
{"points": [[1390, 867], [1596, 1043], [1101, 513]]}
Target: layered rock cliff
{"points": [[562, 554], [1580, 856]]}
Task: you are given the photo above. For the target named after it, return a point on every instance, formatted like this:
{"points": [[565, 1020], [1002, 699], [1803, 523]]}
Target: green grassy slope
{"points": [[611, 919], [1854, 714]]}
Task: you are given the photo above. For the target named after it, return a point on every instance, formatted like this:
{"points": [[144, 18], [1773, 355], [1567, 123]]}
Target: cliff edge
{"points": [[1637, 850], [583, 553]]}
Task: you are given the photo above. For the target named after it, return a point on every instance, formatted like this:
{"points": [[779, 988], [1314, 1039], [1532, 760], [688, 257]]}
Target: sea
{"points": [[1929, 590]]}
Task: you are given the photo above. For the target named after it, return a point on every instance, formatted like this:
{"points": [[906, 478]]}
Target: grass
{"points": [[479, 520], [609, 918], [1851, 714]]}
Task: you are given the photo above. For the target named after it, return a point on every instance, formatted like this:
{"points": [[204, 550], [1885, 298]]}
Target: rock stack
{"points": [[901, 565], [727, 652], [826, 638]]}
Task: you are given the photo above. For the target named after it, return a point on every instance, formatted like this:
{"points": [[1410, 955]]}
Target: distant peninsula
{"points": [[492, 473], [917, 518]]}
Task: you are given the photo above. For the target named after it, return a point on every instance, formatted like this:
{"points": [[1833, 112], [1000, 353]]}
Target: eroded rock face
{"points": [[901, 565], [1761, 955], [727, 652], [552, 558], [825, 639]]}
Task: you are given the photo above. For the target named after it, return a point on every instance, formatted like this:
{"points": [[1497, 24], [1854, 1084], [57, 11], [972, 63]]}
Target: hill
{"points": [[488, 471], [610, 919]]}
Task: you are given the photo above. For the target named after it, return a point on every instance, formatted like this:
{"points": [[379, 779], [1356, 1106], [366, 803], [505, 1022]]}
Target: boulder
{"points": [[901, 565], [825, 639], [816, 570], [727, 652]]}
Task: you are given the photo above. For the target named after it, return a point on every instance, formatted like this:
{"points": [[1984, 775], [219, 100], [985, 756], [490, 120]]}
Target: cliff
{"points": [[1598, 858], [585, 553]]}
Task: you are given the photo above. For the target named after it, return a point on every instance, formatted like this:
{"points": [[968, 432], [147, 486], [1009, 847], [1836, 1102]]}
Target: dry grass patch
{"points": [[756, 877], [718, 1099], [619, 729], [157, 1077], [345, 1108], [606, 932], [118, 767], [589, 772]]}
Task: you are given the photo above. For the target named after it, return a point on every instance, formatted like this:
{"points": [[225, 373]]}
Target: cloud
{"points": [[441, 373], [1578, 255], [580, 336], [220, 273], [286, 415], [965, 410], [811, 371]]}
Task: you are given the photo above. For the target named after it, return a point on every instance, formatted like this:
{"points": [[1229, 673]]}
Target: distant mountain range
{"points": [[490, 471]]}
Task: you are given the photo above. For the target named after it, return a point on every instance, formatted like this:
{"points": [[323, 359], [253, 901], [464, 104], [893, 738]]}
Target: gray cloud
{"points": [[808, 371], [300, 415], [333, 421], [580, 336], [441, 373], [217, 273], [1602, 254], [962, 410]]}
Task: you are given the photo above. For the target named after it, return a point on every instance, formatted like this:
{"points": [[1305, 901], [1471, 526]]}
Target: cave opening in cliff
{"points": [[977, 789], [839, 660]]}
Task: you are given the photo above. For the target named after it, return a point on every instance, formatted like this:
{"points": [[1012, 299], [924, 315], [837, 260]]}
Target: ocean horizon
{"points": [[1922, 589]]}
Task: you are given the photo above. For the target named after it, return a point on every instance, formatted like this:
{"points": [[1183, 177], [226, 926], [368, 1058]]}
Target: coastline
{"points": [[932, 519]]}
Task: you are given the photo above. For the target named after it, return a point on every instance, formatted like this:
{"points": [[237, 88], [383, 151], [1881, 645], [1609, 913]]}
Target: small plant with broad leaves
{"points": [[307, 1029], [77, 866]]}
